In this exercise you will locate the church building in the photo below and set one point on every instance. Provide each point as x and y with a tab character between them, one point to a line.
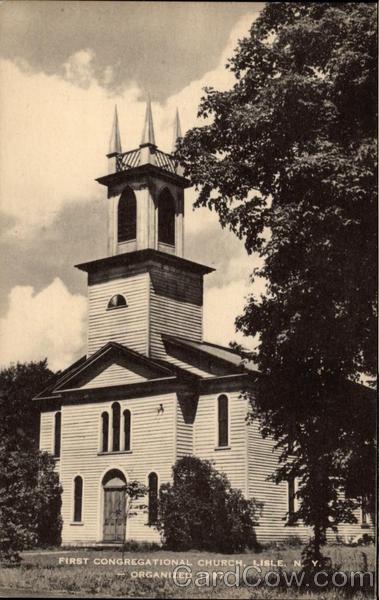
150	389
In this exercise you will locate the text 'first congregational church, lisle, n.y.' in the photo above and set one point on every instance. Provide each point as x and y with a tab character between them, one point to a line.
150	389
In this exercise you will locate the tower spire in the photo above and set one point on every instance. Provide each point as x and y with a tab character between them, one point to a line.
115	139
177	131
148	128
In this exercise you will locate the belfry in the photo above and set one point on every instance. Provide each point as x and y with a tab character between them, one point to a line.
146	194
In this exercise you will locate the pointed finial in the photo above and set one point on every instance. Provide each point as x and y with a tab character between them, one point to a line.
177	131
148	128
115	139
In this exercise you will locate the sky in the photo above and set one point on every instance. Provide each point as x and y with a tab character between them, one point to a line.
63	67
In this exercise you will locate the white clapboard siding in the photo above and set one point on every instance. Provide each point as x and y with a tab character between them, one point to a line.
114	375
262	461
175	307
46	435
152	449
184	433
125	325
46	432
232	461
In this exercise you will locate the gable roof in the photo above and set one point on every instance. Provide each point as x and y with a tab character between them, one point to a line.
220	354
121	368
86	369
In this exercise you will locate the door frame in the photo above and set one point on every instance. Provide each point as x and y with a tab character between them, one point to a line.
100	501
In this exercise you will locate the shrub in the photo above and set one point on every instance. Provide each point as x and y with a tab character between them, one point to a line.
201	510
30	499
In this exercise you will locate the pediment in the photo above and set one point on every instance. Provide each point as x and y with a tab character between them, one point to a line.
113	365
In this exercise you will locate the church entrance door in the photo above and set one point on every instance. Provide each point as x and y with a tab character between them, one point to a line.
114	511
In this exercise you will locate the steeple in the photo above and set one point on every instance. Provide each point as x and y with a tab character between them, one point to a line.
114	143
115	139
145	288
148	128
177	131
146	194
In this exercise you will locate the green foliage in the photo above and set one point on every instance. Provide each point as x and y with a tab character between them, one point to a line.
288	160
30	494
201	510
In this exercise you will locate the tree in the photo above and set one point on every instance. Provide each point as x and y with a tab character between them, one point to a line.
288	160
30	494
134	492
201	510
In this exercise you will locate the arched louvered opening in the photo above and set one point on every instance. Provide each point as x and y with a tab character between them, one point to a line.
117	301
153	498
115	426
78	498
166	218
104	431
57	434
127	216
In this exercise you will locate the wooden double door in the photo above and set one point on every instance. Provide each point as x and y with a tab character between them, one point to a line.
114	514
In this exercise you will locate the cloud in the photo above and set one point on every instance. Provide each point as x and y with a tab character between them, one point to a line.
223	305
55	132
51	323
57	129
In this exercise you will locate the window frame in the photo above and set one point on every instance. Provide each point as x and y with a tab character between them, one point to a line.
102	415
125	231
295	501
152	521
118	430
118	306
218	421
124	446
57	439
76	479
168	232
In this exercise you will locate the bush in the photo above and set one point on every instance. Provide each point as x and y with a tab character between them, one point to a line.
30	502
201	510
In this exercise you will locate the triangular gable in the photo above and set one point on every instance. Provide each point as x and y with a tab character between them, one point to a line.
114	374
113	365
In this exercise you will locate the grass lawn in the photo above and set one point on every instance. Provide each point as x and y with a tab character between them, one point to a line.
149	574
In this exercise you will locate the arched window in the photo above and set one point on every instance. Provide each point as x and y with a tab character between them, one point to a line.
292	500
166	218
126	429
127	216
117	301
104	431
57	434
78	498
116	426
153	498
223	424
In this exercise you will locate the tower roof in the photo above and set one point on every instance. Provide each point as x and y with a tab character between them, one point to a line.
115	139
148	136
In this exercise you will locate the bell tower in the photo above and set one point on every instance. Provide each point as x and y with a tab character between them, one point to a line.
146	194
144	289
